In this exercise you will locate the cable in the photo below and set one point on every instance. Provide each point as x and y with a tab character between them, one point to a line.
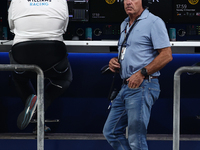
5	42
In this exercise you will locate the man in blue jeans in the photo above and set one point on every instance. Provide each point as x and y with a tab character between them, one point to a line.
144	49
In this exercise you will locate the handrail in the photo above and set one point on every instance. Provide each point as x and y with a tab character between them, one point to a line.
110	43
40	96
176	102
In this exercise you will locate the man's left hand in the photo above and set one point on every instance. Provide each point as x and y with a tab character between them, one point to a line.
135	80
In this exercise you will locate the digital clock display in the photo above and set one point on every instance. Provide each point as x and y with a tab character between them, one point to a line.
186	11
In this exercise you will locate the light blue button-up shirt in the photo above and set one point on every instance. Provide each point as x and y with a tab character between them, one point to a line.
148	35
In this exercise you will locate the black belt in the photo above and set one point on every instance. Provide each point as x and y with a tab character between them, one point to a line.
146	78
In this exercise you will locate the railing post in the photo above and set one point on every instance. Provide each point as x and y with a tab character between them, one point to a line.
40	109
176	102
176	111
40	96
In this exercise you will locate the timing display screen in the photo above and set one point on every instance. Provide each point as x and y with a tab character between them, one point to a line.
186	11
78	10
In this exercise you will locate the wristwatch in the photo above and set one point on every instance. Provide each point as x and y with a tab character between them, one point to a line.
144	72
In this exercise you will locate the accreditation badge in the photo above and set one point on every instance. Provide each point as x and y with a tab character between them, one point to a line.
123	52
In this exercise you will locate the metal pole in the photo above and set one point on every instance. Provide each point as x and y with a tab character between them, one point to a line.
176	111
176	102
40	97
40	110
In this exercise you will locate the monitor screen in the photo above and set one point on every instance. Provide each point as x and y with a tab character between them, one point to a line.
112	11
107	11
78	10
186	11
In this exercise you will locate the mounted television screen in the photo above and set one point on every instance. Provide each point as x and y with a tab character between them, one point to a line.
186	11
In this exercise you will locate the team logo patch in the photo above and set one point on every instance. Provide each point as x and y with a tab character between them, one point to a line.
110	1
39	2
193	2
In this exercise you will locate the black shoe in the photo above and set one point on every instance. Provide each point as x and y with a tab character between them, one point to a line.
25	116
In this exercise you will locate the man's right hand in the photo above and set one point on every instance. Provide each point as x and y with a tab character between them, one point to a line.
114	66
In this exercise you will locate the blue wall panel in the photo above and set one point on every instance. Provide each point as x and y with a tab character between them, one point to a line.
83	107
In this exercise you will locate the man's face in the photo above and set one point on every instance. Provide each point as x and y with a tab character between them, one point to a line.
133	7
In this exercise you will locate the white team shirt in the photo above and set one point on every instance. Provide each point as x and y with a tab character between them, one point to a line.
38	19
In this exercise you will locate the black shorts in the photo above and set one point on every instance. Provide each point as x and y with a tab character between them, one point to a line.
50	57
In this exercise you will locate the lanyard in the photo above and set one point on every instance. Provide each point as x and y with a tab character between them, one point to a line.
126	37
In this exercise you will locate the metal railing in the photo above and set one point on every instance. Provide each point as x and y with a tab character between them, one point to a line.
40	97
176	102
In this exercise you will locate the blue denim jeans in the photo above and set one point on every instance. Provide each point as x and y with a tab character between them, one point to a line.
132	108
